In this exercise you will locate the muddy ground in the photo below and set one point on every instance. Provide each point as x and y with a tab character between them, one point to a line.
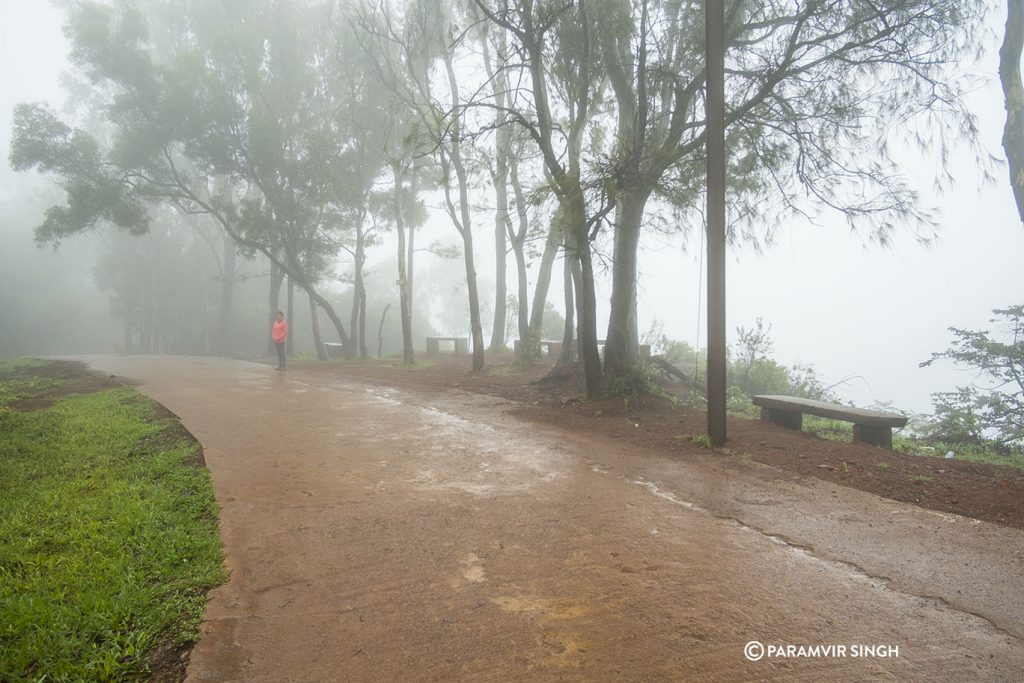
987	492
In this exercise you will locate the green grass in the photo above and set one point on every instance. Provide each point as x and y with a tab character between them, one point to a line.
108	536
920	477
970	452
825	428
504	370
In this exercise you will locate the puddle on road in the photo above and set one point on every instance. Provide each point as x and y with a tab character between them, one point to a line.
456	453
653	488
384	396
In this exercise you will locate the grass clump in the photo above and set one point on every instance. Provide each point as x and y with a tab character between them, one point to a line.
108	537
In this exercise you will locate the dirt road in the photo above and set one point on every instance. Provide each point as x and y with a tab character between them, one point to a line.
373	536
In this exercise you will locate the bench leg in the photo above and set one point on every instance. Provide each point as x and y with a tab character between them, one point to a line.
876	436
783	418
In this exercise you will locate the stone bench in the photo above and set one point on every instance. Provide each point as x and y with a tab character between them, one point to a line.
869	426
461	345
335	349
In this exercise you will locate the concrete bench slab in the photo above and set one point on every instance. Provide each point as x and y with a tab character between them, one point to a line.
869	426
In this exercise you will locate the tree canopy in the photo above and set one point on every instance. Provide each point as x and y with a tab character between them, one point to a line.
293	124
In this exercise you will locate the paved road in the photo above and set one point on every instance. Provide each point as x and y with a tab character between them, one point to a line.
377	535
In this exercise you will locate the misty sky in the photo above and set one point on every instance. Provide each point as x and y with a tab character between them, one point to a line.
850	308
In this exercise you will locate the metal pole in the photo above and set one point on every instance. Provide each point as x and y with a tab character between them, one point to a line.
714	17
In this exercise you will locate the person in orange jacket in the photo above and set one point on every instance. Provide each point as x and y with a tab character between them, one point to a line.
279	333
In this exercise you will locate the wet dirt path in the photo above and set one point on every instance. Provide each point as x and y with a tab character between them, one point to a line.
376	535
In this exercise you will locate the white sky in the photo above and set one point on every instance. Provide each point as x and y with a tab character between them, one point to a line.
850	309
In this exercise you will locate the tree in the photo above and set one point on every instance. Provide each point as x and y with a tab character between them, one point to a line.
1013	94
406	47
564	85
804	78
497	76
363	106
994	409
162	312
237	99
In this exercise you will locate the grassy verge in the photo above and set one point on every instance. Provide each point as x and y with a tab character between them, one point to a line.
108	532
841	431
972	453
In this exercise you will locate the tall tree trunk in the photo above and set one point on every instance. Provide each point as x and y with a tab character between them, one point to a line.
1013	93
518	241
530	347
358	316
289	346
501	221
380	331
586	296
502	154
149	312
318	338
466	227
227	294
203	315
276	279
474	306
629	83
410	259
622	347
362	323
405	305
570	276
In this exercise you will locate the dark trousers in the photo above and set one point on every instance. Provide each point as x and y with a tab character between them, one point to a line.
280	354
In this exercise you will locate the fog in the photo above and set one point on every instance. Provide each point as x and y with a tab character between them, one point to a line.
864	315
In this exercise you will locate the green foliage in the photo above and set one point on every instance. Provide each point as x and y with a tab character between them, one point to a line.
926	446
680	354
991	413
253	115
553	325
751	369
94	194
825	428
702	440
738	402
640	380
108	538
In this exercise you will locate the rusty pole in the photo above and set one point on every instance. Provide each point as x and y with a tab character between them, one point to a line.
714	24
